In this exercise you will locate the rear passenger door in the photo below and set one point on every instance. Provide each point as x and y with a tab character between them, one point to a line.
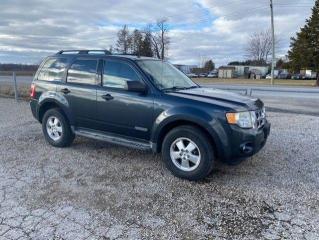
80	91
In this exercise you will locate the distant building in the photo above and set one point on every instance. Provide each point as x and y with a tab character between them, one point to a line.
252	71
226	72
307	73
185	68
233	71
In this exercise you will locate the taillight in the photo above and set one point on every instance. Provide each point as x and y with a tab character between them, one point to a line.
32	91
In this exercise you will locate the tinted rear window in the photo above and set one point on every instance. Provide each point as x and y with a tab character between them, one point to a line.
83	72
53	69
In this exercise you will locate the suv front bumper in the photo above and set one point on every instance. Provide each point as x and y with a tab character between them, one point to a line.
247	142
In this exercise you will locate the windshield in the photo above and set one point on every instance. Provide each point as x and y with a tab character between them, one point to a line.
165	75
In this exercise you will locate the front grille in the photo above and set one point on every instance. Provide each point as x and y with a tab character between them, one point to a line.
260	118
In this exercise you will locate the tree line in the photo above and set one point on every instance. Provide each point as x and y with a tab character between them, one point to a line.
209	65
304	48
18	67
152	41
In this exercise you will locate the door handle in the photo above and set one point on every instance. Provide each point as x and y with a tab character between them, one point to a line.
65	90
107	97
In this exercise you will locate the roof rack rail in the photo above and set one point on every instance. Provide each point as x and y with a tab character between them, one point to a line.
126	54
106	52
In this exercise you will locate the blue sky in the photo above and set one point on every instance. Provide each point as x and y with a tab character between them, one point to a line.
199	29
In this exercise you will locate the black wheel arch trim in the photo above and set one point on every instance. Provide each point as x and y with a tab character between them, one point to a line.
184	115
63	105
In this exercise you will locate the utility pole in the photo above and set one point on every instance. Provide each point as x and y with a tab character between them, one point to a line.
273	43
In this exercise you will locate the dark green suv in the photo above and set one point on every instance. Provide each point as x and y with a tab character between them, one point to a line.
148	104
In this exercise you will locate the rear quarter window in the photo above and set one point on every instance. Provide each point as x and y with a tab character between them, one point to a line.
53	69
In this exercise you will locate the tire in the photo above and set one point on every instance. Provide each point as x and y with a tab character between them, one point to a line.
57	133
188	138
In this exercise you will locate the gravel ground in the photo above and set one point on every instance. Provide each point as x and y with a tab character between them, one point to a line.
95	190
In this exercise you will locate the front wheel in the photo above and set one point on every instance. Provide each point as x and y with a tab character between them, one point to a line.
188	153
56	129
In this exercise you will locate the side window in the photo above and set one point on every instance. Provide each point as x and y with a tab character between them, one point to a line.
53	69
83	71
117	74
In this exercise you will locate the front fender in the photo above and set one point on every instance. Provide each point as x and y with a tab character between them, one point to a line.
193	115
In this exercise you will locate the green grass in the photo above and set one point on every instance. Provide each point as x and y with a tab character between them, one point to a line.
8	91
279	82
18	73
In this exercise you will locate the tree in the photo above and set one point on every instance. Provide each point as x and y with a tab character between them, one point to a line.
304	48
146	49
248	63
259	46
163	38
124	40
136	42
209	66
111	49
159	36
153	41
280	63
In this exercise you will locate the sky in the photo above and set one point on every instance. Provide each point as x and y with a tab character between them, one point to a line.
199	29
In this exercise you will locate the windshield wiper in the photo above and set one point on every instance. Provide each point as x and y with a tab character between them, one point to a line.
176	88
195	86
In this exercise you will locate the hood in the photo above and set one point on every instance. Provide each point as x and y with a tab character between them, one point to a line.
220	98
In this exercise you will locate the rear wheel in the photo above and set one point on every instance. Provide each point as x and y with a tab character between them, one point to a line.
188	153
56	129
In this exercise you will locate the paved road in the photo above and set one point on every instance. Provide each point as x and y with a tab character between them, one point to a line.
266	90
285	99
94	190
291	99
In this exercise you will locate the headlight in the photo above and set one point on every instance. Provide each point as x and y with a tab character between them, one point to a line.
242	119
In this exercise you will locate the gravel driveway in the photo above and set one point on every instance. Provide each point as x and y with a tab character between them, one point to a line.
95	190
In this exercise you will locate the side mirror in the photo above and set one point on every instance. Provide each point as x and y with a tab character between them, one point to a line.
136	86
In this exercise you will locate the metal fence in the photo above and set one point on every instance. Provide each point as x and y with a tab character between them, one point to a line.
15	85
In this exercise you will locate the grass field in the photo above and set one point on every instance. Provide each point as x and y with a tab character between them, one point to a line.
8	91
18	73
283	82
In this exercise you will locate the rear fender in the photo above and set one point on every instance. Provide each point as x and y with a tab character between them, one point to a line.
57	99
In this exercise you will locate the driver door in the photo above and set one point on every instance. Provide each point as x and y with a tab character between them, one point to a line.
120	111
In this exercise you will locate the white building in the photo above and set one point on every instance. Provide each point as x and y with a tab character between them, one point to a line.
247	71
226	72
233	71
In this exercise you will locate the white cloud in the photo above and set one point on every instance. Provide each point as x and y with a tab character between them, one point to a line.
218	29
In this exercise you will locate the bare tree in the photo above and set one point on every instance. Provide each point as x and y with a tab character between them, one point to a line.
111	49
153	41
124	40
159	36
259	46
163	36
